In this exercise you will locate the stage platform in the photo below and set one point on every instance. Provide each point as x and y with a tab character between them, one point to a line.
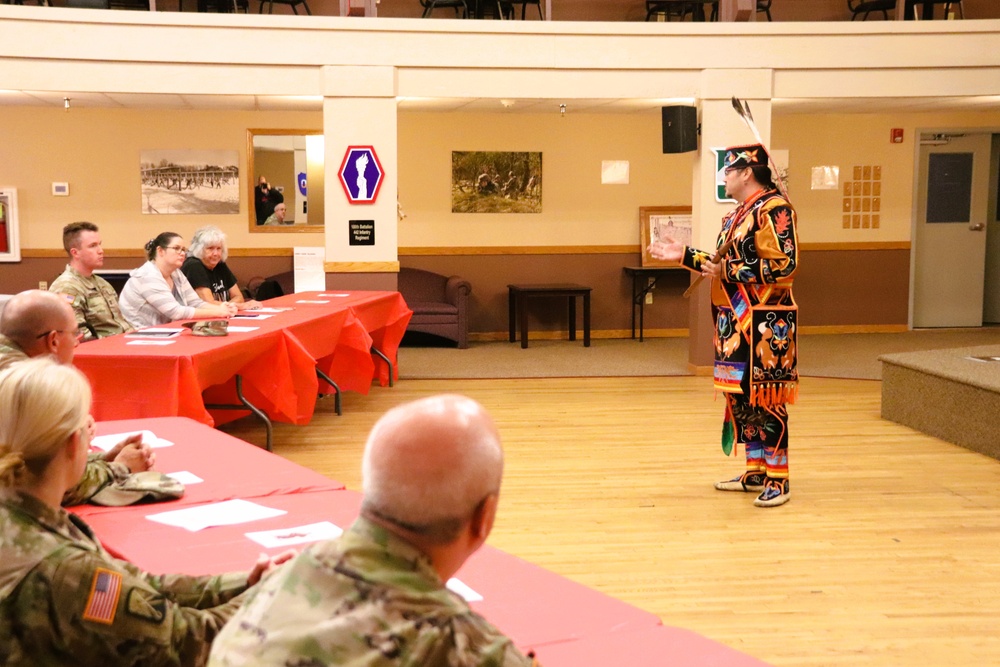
952	394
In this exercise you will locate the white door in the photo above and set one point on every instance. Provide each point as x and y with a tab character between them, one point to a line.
950	238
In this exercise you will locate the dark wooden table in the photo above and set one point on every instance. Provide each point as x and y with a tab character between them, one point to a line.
643	282
517	300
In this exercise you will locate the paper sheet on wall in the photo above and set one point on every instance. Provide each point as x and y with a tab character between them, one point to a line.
308	269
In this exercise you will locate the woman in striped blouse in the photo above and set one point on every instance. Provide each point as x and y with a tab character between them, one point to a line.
158	292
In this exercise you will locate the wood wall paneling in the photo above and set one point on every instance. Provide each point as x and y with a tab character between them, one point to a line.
834	288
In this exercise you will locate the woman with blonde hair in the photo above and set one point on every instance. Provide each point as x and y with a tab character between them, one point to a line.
63	599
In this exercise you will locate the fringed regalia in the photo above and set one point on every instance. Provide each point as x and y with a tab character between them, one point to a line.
755	327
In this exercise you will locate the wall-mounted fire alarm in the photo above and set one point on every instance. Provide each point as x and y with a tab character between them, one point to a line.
896	135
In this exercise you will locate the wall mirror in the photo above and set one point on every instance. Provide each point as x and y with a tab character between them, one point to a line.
285	169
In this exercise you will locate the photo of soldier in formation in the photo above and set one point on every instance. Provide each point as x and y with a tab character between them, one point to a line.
190	182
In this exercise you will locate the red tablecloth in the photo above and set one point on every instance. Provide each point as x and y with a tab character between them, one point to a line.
277	362
152	381
383	316
531	605
230	467
563	622
127	533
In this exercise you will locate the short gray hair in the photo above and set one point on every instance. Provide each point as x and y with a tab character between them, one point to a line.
207	236
30	313
429	464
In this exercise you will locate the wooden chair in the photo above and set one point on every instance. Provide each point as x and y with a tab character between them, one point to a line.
430	5
866	7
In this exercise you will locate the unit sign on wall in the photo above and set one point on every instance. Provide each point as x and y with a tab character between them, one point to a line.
361	174
362	232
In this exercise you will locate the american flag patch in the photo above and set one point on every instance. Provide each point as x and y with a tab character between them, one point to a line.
103	600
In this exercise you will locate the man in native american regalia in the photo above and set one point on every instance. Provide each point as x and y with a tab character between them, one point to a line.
755	320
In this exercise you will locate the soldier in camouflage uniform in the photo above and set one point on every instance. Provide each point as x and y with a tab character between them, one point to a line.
32	312
377	595
94	300
63	599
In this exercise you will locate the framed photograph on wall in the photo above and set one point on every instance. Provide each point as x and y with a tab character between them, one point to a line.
10	244
191	182
661	222
496	182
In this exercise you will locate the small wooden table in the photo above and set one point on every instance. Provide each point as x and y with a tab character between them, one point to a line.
517	299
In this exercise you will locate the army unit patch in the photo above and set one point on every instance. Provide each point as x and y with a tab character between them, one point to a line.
146	605
103	599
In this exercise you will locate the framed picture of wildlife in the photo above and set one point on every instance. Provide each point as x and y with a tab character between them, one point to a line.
496	182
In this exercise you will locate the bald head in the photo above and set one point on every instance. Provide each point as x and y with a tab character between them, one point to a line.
429	464
29	315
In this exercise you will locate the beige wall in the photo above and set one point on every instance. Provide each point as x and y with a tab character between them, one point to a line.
97	151
847	140
576	208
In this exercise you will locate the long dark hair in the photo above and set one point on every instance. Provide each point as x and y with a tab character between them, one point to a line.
161	241
762	174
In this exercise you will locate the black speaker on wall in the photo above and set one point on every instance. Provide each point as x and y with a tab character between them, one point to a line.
680	129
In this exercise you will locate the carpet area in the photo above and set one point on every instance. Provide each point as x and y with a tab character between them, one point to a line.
853	356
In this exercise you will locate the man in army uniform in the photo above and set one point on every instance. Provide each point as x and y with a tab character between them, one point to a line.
37	323
94	301
377	595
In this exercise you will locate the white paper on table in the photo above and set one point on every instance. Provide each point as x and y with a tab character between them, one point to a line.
107	442
271	310
336	295
285	537
251	315
461	588
185	477
239	329
310	301
151	342
226	513
155	332
307	269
